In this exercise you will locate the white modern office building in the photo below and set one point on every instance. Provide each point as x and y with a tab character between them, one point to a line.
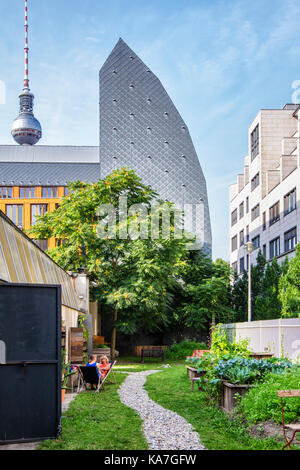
264	201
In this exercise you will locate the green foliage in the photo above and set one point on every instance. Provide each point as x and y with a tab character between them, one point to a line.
221	345
134	277
270	284
179	351
239	296
67	371
221	351
267	303
262	404
289	287
203	296
238	370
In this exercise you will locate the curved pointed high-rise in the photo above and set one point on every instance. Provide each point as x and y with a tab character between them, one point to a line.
141	128
26	129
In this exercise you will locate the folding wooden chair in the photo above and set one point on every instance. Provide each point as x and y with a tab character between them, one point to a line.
110	371
88	375
295	427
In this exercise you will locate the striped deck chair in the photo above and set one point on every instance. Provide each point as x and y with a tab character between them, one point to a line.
112	364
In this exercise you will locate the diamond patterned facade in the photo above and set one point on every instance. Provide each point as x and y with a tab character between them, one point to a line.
140	128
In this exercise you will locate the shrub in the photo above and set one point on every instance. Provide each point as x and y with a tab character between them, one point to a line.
220	344
262	404
183	349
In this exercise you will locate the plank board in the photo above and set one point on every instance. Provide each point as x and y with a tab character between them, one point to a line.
288	393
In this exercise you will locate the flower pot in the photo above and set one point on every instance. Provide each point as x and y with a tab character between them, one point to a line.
63	392
229	390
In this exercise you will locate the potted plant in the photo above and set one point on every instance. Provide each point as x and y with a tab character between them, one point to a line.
66	372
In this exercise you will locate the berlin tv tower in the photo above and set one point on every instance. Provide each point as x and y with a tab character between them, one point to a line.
26	129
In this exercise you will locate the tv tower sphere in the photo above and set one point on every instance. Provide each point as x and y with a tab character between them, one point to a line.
26	129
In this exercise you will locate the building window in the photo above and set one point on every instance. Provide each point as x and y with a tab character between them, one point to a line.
67	191
247	205
264	251
15	213
247	233
234	266
43	244
255	212
242	265
234	243
264	221
275	247
242	238
255	182
255	142
5	192
256	242
290	239
27	192
290	202
241	210
37	210
274	213
49	192
233	217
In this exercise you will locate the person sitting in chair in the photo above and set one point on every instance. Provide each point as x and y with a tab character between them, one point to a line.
93	363
104	365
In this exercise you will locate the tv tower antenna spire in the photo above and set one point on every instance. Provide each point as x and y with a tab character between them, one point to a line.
26	129
26	49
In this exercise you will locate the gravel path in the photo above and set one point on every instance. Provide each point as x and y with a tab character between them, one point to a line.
163	429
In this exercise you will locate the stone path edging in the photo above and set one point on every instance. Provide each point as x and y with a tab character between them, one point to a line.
163	429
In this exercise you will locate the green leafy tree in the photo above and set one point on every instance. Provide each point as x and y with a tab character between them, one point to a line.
268	304
205	293
239	296
289	287
264	290
134	276
257	278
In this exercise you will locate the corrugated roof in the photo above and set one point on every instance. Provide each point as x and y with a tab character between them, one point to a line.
19	173
22	261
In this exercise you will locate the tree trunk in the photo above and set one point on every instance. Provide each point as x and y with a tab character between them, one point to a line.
113	336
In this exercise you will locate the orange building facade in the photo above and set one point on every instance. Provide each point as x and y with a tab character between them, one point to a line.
23	204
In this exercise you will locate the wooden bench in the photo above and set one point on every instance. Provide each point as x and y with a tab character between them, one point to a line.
153	351
198	353
294	427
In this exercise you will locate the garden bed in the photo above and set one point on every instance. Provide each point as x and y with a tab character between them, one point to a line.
229	398
270	429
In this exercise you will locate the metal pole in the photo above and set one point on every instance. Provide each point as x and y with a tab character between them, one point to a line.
249	286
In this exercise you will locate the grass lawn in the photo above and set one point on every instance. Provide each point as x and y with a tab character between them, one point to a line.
133	364
171	389
99	421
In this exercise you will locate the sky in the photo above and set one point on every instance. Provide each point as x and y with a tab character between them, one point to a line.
220	62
